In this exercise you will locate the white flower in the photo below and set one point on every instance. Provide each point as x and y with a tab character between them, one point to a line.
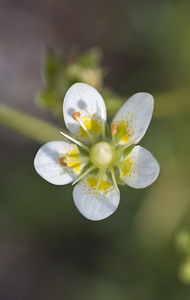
97	160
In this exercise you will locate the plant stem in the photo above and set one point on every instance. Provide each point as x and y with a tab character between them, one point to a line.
168	104
32	127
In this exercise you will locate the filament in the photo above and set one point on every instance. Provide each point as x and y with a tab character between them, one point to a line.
100	176
84	174
103	129
75	141
76	117
119	151
114	179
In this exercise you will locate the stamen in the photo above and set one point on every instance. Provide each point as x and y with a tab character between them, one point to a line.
133	141
100	176
113	129
114	179
84	174
75	141
113	132
103	129
62	161
76	117
80	159
119	151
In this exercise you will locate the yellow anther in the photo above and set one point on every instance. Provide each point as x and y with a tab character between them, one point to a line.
62	160
113	128
76	116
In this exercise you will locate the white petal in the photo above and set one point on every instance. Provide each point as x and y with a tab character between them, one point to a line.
47	163
95	204
133	118
89	103
140	168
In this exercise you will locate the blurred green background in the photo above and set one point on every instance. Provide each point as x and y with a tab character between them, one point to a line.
47	249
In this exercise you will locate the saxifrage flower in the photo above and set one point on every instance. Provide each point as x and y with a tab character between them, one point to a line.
97	158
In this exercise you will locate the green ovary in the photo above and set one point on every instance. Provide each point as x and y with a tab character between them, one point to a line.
102	155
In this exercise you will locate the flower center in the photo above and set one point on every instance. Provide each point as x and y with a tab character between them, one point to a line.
102	155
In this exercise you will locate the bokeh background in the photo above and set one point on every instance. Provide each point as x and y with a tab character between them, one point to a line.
47	249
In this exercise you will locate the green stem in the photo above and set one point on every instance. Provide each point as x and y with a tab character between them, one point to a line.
168	104
32	127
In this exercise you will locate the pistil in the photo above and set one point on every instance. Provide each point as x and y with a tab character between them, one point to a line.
102	155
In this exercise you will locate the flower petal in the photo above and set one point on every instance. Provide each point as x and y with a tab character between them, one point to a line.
96	203
48	166
133	118
140	168
85	100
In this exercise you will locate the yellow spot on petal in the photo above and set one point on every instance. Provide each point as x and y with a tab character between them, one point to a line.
91	123
128	165
104	184
74	154
123	131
